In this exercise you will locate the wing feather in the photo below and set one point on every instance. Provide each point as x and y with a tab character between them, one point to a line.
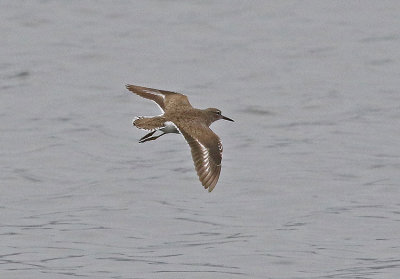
206	153
164	99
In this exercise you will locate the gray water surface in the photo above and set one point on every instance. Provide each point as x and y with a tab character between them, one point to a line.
311	168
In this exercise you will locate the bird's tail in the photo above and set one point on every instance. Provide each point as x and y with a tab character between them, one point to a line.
149	123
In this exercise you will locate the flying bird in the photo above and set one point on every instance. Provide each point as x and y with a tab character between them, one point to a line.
178	116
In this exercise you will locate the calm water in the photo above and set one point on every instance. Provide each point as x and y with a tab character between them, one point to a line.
311	170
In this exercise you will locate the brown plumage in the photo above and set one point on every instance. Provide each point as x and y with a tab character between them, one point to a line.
180	117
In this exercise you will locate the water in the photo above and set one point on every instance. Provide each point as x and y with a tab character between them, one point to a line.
309	185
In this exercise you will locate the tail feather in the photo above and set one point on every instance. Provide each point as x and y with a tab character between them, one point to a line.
149	123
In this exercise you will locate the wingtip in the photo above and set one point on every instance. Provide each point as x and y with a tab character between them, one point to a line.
211	186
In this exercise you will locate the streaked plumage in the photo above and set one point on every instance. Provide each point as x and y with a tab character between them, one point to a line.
180	117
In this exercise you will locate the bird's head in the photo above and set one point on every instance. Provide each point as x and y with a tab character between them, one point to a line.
214	114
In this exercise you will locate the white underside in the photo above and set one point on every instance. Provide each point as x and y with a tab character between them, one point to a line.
170	127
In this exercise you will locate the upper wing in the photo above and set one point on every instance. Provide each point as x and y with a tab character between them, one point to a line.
164	99
206	150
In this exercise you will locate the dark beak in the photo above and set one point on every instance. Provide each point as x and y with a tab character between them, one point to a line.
226	118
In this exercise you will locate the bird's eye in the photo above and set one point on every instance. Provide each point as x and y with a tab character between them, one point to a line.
218	112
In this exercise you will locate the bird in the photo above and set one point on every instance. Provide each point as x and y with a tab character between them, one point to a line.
178	116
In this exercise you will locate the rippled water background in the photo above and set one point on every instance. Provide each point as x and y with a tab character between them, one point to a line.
311	169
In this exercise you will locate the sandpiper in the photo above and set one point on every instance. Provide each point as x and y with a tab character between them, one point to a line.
178	116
